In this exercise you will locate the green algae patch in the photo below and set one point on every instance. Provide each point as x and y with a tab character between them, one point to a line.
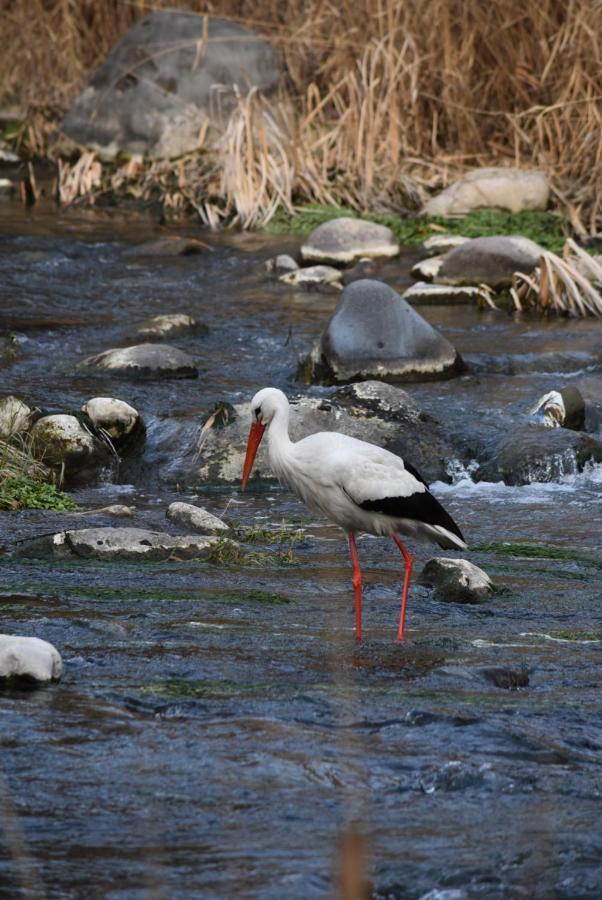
529	550
268	598
546	228
184	689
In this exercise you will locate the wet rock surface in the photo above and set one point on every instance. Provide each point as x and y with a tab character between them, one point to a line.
312	276
168	325
493	187
189	516
556	409
168	246
118	543
342	241
374	333
427	294
121	422
28	659
15	416
154	92
489	260
64	443
457	580
144	361
540	454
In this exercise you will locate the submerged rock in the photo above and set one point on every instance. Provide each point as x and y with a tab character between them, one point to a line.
144	361
195	517
489	260
118	419
170	246
312	276
63	443
119	543
168	325
528	455
371	411
556	409
342	241
457	580
493	187
28	658
425	294
375	333
164	79
15	416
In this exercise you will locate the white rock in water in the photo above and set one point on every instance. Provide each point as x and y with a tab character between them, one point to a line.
557	409
144	360
116	417
29	657
167	325
195	517
312	275
281	263
494	187
15	416
118	543
344	240
443	243
457	580
424	293
427	268
63	442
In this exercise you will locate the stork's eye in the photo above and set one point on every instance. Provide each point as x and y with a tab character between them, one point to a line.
258	413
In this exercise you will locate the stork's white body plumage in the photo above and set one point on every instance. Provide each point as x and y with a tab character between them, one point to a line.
355	484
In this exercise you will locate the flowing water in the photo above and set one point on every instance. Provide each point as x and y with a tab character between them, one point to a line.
217	731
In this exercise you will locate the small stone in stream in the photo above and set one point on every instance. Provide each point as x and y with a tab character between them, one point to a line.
281	263
342	241
556	409
457	580
529	454
312	276
118	419
15	416
507	679
425	294
65	444
195	517
118	510
168	325
119	543
442	243
28	659
6	186
144	361
174	246
492	187
375	333
489	260
428	268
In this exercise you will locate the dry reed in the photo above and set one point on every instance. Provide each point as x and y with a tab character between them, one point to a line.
381	96
567	285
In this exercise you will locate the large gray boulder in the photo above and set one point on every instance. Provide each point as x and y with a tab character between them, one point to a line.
375	333
144	361
342	241
494	187
28	658
531	454
118	543
63	443
159	85
489	260
371	411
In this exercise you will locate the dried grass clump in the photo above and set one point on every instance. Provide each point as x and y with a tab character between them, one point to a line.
380	97
566	285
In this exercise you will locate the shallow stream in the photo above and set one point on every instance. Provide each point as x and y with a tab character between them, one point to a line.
217	731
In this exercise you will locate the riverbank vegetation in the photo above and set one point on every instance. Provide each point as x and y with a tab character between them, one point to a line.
383	103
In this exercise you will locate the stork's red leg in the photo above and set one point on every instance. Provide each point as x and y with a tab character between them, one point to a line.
357	586
406	584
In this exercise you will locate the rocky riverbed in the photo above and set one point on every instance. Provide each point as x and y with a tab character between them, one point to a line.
216	728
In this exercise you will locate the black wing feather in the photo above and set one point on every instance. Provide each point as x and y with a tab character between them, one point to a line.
421	506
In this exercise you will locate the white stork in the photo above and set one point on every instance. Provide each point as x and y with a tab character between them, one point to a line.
354	484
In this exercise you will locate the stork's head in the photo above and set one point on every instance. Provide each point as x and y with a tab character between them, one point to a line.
264	406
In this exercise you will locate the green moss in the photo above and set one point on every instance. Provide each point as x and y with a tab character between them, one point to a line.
576	635
548	229
538	551
27	493
183	689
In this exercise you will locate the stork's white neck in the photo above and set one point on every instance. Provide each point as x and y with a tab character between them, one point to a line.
279	442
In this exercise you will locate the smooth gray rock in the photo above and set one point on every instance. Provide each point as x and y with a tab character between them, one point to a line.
118	543
144	361
196	518
281	263
29	658
117	418
162	82
560	409
312	276
457	580
374	333
531	454
168	325
15	416
489	260
63	443
371	411
493	187
342	241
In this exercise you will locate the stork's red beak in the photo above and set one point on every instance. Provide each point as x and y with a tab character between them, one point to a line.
255	436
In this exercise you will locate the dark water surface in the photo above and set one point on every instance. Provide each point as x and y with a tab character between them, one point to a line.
217	729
